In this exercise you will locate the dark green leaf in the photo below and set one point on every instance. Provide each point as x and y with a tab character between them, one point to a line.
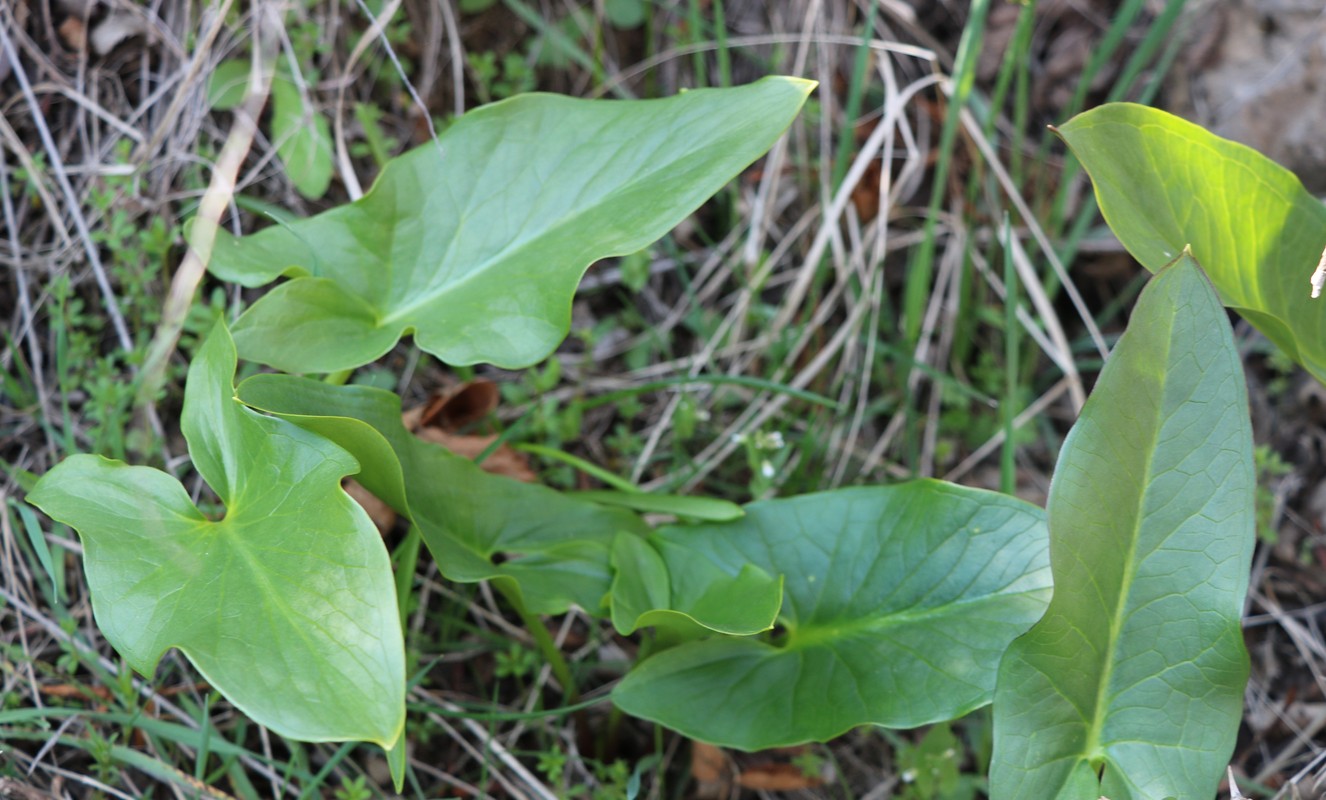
898	603
552	550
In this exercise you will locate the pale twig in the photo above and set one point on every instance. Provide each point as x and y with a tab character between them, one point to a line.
109	300
36	180
840	199
95	108
196	65
1030	412
877	254
945	297
352	185
1234	793
773	167
1045	309
495	747
455	45
388	12
220	191
759	40
1318	279
1001	174
27	327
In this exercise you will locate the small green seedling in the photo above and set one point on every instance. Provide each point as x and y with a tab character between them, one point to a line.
791	620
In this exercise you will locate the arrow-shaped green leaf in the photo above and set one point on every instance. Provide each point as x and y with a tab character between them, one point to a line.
1131	687
550	549
285	604
476	243
898	602
1165	184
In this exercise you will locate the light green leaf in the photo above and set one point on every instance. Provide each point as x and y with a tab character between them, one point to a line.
1164	183
303	140
475	243
709	509
898	602
551	550
302	135
229	81
1137	670
285	604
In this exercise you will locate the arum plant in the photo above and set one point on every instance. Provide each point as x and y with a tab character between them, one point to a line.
1104	630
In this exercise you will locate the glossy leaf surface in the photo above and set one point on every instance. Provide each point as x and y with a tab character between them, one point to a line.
898	602
475	243
1137	670
552	550
285	604
1164	183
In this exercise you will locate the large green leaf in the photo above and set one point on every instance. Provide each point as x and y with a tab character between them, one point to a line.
1131	686
285	604
898	603
477	242
1164	183
549	549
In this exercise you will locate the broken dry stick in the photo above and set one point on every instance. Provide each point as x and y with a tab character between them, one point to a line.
1318	279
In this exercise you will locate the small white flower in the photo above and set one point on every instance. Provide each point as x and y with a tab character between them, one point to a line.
766	468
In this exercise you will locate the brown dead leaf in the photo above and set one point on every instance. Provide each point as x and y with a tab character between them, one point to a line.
383	515
777	777
439	419
462	405
709	768
502	461
69	690
118	26
74	34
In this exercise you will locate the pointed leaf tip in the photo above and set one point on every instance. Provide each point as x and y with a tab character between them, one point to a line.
1137	669
476	243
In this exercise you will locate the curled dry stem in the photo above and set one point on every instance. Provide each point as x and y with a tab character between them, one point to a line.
220	192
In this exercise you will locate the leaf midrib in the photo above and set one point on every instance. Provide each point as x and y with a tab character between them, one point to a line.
830	631
400	314
1093	749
